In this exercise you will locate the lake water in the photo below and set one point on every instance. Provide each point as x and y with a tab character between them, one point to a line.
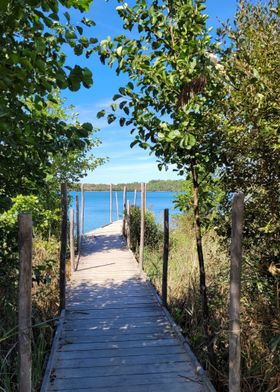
97	206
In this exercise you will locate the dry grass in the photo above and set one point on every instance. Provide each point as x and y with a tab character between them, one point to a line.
259	317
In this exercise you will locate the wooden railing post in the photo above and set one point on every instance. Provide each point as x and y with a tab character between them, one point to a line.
142	228
165	256
72	241
63	247
78	223
117	205
145	197
235	289
82	209
135	198
111	204
25	302
128	224
124	211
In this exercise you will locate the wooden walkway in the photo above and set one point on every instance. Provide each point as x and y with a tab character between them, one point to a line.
116	336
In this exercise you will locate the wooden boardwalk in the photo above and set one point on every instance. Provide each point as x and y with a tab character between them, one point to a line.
116	336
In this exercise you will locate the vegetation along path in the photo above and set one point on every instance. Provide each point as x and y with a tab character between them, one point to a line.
116	336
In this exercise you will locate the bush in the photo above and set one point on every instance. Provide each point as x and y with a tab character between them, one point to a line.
153	234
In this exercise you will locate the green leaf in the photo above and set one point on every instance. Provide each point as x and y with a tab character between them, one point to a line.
101	113
111	118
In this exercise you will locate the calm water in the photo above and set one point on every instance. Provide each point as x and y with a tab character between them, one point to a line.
97	206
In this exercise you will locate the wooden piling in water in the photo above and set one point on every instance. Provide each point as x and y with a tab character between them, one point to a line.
72	241
135	198
124	211
235	290
165	257
78	223
128	225
82	210
142	228
63	247
25	302
111	203
117	205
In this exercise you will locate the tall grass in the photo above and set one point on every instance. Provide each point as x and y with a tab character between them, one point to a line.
259	317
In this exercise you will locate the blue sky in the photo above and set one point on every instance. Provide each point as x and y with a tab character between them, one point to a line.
125	164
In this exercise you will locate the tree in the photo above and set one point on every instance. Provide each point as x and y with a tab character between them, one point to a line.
32	65
171	96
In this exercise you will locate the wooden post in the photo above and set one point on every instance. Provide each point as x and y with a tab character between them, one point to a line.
111	204
128	224
135	198
63	247
78	223
82	210
142	227
72	241
145	197
235	284
117	205
124	211
165	256
25	302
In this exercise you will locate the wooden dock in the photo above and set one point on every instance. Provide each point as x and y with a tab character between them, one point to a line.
115	335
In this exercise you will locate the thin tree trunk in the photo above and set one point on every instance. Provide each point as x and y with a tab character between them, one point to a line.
202	278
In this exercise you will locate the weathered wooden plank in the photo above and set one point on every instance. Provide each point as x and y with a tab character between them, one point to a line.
167	387
121	352
117	345
124	330
82	338
125	323
126	380
127	369
116	361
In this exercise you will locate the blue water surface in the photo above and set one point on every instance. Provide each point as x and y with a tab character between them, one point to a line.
97	206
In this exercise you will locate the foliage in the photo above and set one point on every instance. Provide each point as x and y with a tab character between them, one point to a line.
32	66
251	135
152	186
153	234
260	327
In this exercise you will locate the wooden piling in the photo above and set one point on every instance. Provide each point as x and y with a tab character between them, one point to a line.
128	225
124	211
25	302
63	247
142	227
145	197
111	204
78	223
82	210
72	241
135	198
165	257
235	290
117	205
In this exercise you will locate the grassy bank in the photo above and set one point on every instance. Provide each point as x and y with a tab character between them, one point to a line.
259	316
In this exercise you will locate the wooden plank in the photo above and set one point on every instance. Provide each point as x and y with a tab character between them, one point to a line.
127	369
125	380
93	323
116	361
165	256
135	330
25	301
119	345
142	228
128	337
72	242
63	247
122	352
117	205
111	203
77	223
235	291
167	387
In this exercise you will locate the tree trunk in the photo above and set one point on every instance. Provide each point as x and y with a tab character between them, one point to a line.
198	237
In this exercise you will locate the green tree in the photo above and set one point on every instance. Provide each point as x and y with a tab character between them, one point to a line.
170	99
